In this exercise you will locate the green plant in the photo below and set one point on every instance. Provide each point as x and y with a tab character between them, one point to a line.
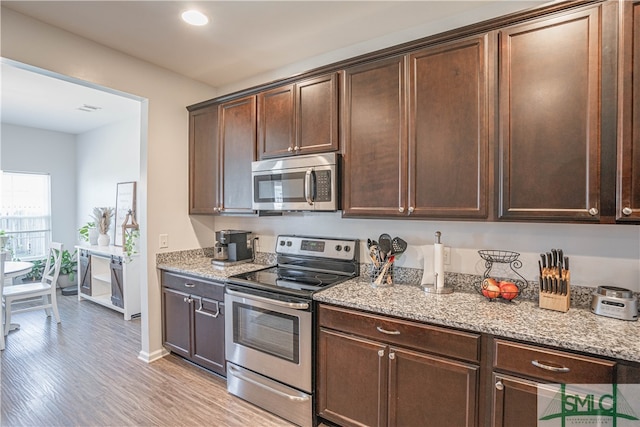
130	243
36	272
84	230
68	264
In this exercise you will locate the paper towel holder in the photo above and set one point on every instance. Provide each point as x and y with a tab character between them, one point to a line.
431	288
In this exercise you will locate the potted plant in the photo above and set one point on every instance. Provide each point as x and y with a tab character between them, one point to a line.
68	268
102	217
89	233
35	275
3	239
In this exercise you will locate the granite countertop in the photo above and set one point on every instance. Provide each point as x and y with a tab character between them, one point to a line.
201	267
578	329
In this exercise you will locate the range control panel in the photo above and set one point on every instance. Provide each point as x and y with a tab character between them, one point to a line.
320	247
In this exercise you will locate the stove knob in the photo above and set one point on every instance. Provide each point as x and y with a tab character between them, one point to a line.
289	243
347	248
281	242
338	248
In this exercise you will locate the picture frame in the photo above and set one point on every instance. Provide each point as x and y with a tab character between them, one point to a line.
125	201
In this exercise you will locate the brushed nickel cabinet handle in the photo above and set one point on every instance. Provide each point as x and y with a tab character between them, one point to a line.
411	209
384	331
381	353
189	285
549	366
400	209
627	211
499	385
593	211
290	149
392	356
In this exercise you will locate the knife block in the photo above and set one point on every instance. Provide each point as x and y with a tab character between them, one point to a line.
556	302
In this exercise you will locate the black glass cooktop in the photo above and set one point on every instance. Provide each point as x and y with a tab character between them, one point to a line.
288	280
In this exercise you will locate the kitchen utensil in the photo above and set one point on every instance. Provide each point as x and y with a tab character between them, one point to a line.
541	278
398	246
384	243
373	254
386	266
612	301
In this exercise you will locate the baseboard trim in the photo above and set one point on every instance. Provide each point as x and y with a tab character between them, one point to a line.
152	357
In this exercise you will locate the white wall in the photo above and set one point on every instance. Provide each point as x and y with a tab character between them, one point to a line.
27	149
162	189
106	156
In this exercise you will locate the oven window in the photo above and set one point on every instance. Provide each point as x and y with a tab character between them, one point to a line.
267	331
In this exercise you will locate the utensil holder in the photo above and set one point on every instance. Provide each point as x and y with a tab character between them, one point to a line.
557	302
382	275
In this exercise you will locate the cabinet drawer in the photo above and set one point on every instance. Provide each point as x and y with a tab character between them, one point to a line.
551	365
432	339
193	286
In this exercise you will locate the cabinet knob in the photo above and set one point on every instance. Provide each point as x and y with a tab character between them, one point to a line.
499	385
593	211
400	209
290	149
411	209
627	211
381	353
392	356
296	148
187	299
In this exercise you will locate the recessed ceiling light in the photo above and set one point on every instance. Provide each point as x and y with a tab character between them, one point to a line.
194	17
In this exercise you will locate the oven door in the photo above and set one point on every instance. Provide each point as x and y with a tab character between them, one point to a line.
269	335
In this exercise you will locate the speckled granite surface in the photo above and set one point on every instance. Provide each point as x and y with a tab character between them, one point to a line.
578	329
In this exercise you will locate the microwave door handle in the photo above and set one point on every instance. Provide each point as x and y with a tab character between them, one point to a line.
308	186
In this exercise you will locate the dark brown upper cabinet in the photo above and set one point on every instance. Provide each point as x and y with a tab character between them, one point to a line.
428	157
374	138
237	139
299	118
550	118
449	130
203	160
628	178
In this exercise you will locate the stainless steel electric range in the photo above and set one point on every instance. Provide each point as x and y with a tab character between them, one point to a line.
269	326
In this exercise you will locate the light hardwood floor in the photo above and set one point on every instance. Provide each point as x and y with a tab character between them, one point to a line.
85	372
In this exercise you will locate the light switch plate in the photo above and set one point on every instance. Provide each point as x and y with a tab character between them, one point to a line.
164	241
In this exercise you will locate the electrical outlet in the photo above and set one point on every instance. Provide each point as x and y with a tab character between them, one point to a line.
446	256
164	241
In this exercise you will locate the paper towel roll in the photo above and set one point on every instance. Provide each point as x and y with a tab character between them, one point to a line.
427	273
438	265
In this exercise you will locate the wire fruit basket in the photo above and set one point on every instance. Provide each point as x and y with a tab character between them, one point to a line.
504	286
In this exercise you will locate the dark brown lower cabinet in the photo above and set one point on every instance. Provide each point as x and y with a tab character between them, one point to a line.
367	382
515	402
193	320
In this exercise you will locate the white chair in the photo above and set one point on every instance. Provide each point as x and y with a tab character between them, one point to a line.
46	289
3	257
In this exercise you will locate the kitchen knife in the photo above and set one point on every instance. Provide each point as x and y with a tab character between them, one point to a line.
549	271
541	278
566	275
560	281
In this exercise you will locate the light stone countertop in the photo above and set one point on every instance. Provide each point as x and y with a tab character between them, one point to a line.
578	329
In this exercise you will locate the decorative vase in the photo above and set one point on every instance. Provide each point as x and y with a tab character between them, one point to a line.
93	236
103	240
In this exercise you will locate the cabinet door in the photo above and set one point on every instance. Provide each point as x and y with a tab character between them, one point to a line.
375	139
237	150
352	380
208	334
550	118
84	261
515	402
176	321
117	282
448	130
203	160
276	126
317	115
628	187
429	390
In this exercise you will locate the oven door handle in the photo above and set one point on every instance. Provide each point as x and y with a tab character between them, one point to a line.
293	305
235	372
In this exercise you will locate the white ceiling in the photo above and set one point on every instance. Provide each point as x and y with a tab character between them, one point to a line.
244	39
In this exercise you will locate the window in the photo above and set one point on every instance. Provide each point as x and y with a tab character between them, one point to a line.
25	213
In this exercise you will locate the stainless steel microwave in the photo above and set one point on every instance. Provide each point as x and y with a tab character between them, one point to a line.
299	183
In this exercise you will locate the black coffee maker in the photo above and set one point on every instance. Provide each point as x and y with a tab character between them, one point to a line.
233	246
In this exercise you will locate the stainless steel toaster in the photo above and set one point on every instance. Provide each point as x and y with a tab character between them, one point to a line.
612	301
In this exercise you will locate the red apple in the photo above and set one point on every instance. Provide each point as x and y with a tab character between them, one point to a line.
490	288
508	290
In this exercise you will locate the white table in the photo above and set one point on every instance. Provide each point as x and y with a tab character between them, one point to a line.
15	269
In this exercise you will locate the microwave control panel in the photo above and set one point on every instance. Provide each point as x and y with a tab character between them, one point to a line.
323	186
